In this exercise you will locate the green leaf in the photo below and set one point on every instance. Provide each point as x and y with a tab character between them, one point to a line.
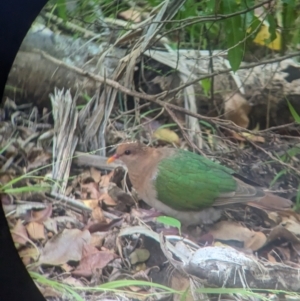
272	28
293	112
235	34
279	175
61	9
169	221
206	85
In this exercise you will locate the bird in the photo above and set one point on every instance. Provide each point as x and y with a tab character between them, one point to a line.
189	187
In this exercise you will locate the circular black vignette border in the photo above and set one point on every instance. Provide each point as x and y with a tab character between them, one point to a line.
16	16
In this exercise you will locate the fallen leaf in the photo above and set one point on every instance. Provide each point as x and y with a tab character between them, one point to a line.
72	281
291	225
107	200
51	225
95	174
91	203
181	283
41	215
35	230
263	36
97	239
93	260
90	191
236	109
19	233
64	247
166	135
105	179
29	253
139	255
131	15
227	230
97	215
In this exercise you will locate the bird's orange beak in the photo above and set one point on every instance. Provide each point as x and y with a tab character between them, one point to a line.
112	158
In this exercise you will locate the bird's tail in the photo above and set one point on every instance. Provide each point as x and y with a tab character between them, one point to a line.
271	201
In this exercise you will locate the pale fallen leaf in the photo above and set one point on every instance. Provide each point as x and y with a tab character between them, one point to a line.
35	230
93	260
236	109
90	191
95	174
107	200
19	233
64	247
29	253
166	135
139	255
51	225
97	215
227	230
91	203
291	225
97	239
72	281
180	282
131	15
105	179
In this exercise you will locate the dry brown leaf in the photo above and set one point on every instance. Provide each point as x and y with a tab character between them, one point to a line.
166	135
283	233
131	15
106	179
93	260
91	203
105	198
181	283
90	191
227	230
97	239
29	253
97	215
256	241
291	225
64	247
35	230
236	109
41	215
51	225
19	233
95	174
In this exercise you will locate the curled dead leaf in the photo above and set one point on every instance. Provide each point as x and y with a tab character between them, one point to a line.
236	109
19	233
166	135
64	247
93	260
227	230
35	230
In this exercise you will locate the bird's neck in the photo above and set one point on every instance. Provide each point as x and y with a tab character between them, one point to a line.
141	172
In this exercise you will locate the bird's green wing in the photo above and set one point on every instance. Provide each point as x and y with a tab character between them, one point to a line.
187	181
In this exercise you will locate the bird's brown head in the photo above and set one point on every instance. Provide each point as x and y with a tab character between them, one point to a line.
130	153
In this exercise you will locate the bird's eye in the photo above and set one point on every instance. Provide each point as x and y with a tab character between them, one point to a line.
127	152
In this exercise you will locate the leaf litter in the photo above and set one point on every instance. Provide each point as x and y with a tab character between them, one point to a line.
118	237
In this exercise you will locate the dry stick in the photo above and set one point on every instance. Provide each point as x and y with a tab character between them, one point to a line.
274	158
153	98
